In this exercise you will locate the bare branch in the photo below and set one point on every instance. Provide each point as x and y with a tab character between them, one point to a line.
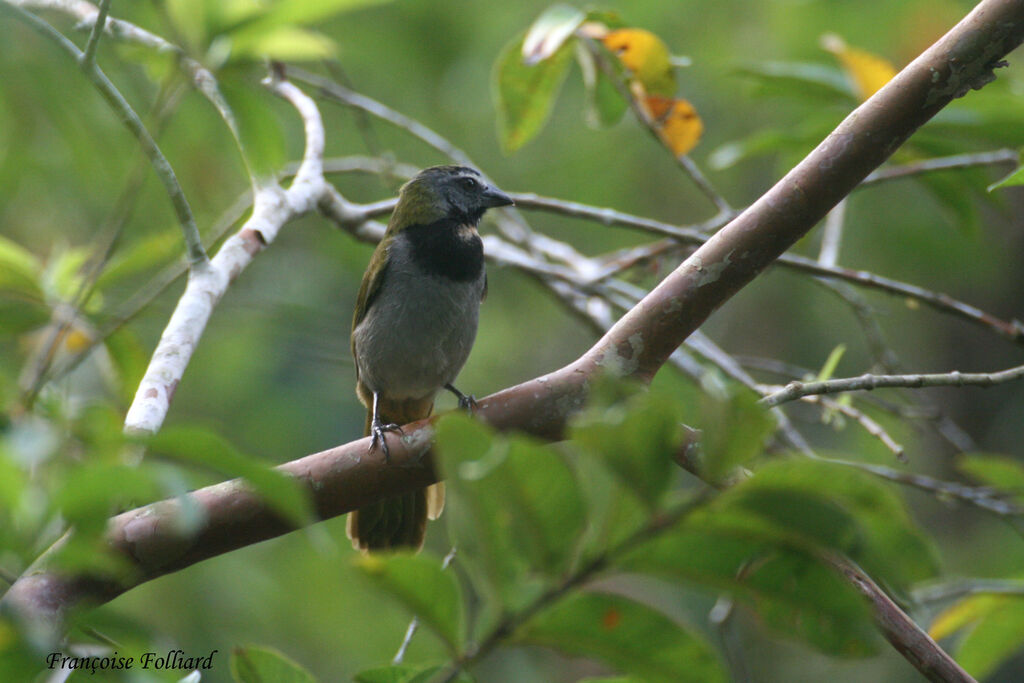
956	161
980	497
1009	329
908	638
868	382
272	208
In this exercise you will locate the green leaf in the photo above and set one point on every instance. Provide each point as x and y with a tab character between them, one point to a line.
142	257
22	302
998	635
631	637
789	591
614	514
253	664
13	480
479	524
798	80
86	498
314	11
829	368
191	19
19	268
130	360
405	674
962	614
605	106
1015	178
549	32
734	430
207	448
527	491
524	95
998	471
420	584
636	440
258	128
64	272
92	491
290	43
807	504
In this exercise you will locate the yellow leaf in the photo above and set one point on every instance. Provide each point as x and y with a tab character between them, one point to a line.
960	615
676	121
868	71
646	56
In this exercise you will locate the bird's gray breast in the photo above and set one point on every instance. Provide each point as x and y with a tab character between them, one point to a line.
419	329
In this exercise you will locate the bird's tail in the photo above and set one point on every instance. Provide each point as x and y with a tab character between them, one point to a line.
399	522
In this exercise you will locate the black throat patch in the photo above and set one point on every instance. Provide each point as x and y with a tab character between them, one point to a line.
447	248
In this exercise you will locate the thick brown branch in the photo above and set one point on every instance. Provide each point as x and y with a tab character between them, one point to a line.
348	477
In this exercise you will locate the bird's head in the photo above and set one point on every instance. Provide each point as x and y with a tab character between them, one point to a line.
456	193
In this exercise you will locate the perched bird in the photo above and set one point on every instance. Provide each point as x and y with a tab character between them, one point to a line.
415	321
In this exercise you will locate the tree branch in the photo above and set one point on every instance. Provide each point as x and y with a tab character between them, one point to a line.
131	120
89	16
345	478
272	208
868	382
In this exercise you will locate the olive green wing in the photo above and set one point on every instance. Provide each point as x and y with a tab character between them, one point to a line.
373	278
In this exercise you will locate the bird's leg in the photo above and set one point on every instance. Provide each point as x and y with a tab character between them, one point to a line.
378	428
466	401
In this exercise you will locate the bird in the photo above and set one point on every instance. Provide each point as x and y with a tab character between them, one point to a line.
415	322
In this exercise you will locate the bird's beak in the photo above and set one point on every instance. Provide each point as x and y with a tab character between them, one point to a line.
493	197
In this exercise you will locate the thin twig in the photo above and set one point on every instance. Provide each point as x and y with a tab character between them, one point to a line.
864	420
1012	329
201	78
956	161
952	590
339	93
193	243
89	57
981	497
38	367
869	382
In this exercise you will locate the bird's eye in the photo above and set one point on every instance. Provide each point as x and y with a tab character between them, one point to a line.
469	183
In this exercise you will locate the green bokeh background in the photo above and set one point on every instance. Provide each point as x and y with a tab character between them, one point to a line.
273	374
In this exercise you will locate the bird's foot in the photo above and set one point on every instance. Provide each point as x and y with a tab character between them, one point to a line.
467	402
377	431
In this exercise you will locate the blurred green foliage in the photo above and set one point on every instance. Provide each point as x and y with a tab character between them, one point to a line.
272	381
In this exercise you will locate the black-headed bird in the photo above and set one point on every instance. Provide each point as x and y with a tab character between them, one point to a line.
415	321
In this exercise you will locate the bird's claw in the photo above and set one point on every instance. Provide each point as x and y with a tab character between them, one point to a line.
467	402
377	431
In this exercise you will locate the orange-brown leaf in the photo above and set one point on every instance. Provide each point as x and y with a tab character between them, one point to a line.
676	121
646	56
